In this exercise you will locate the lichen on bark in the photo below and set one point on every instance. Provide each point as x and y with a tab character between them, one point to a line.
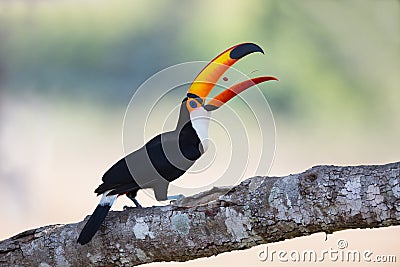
259	210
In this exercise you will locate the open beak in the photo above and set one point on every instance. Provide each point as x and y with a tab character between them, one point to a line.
209	76
234	90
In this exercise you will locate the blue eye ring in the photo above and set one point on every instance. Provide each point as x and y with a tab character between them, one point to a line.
193	104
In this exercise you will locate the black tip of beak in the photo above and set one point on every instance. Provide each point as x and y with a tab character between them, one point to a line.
210	107
244	49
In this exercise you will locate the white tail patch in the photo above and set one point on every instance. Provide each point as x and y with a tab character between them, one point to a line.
107	200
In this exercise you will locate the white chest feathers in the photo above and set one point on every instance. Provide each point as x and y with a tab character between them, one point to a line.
200	119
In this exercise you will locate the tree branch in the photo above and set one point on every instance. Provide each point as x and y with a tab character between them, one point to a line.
259	210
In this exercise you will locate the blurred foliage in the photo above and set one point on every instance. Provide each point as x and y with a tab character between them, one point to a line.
69	68
333	58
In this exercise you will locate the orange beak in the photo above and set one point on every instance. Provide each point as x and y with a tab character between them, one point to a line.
209	76
234	90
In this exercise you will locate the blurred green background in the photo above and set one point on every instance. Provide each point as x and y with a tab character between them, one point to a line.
69	68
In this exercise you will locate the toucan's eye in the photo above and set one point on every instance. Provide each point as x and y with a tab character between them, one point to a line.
193	104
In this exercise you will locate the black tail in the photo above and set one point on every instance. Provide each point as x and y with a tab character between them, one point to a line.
93	224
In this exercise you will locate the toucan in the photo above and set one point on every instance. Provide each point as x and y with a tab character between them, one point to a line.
169	155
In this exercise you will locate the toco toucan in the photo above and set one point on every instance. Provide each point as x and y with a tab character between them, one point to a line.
169	155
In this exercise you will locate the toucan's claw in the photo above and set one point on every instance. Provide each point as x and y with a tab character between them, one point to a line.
137	204
134	200
175	198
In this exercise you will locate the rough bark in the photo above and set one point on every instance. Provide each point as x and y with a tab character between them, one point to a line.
259	210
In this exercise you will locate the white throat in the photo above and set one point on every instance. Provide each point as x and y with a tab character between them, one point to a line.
200	119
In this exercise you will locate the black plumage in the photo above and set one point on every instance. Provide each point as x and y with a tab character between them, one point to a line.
160	161
163	159
169	155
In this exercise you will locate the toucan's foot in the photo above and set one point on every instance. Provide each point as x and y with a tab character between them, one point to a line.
175	197
137	204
